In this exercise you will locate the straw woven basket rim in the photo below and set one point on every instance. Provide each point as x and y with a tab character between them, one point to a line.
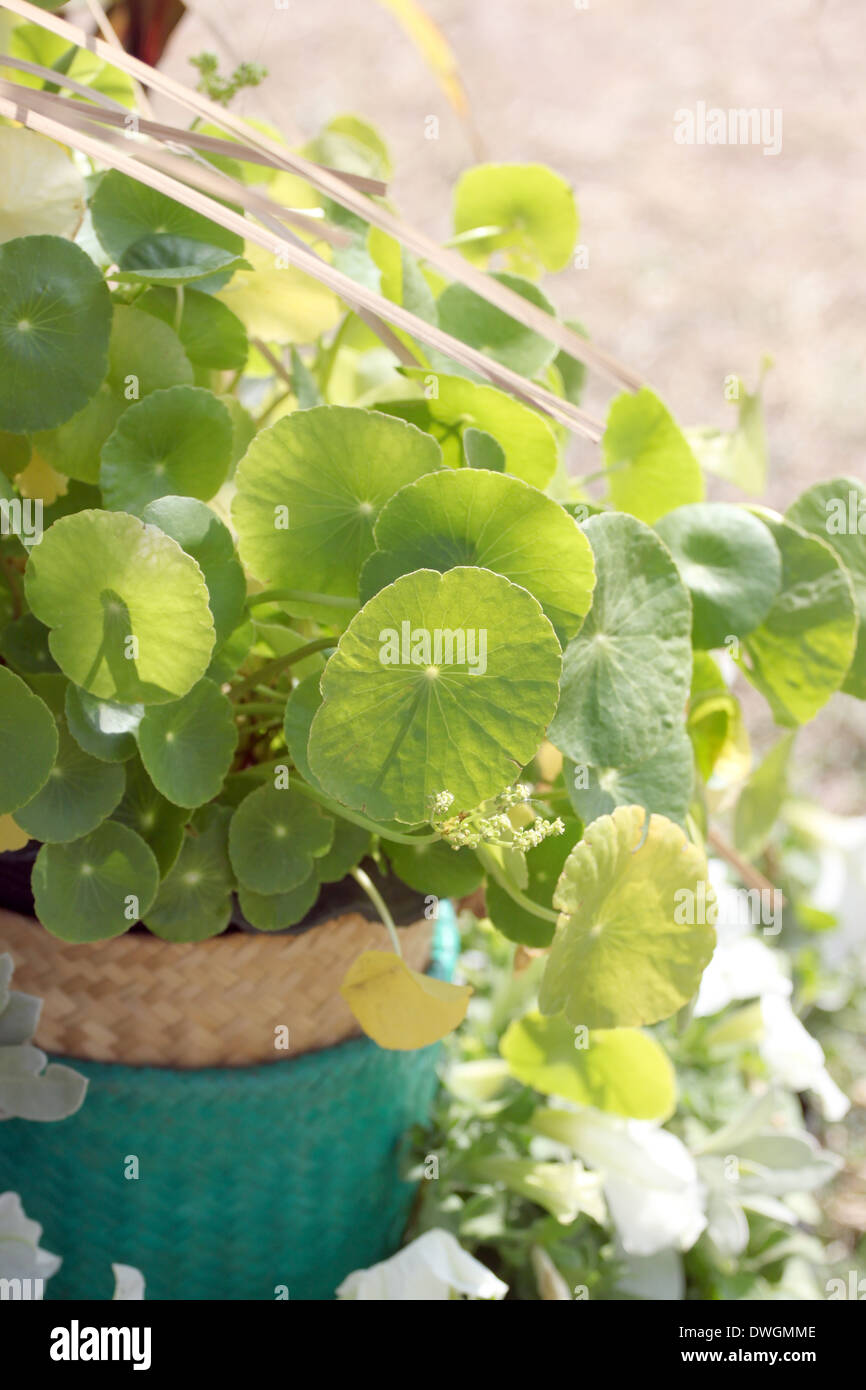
231	1001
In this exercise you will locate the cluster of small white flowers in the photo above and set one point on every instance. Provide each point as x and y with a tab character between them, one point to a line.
461	837
440	803
472	829
516	795
533	835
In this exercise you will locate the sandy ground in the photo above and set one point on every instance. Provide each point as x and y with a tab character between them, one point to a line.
701	258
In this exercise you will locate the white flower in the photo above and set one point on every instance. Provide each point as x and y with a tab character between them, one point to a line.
742	966
841	884
128	1283
794	1057
431	1268
655	1197
20	1255
657	1278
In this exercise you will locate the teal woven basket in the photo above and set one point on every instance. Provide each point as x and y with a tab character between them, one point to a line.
249	1179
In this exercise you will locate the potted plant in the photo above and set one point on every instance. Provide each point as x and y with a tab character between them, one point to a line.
300	602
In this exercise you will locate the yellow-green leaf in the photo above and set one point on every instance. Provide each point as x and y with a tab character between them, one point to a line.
398	1007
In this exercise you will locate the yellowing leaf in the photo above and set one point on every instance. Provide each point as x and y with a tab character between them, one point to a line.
11	836
400	1008
433	47
279	303
41	191
40	480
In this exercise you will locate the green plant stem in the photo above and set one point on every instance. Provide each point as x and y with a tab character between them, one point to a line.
329	356
14	580
356	818
278	400
281	663
602	473
262	707
369	887
492	868
287	595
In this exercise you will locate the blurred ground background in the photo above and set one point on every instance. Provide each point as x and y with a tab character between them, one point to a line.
701	258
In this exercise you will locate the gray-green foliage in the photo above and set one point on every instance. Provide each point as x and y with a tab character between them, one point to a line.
31	1088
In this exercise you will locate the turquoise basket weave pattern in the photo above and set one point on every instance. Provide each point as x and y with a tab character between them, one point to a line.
249	1178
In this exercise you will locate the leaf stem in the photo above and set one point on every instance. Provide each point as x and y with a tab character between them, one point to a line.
13	578
277	400
281	663
287	595
491	867
751	876
369	887
329	356
356	818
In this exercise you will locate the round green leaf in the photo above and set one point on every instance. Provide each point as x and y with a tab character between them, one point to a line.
802	651
43	191
527	439
212	336
157	821
275	835
275	912
348	847
175	260
25	646
144	355
835	511
103	729
436	868
15	452
128	608
527	209
195	897
625	952
474	320
473	517
396	725
544	864
80	793
625	677
661	784
618	1070
730	565
481	450
74	447
301	706
174	442
187	746
200	533
125	210
96	887
55	315
650	466
28	742
310	489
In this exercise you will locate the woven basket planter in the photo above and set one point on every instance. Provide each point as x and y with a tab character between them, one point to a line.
257	1168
